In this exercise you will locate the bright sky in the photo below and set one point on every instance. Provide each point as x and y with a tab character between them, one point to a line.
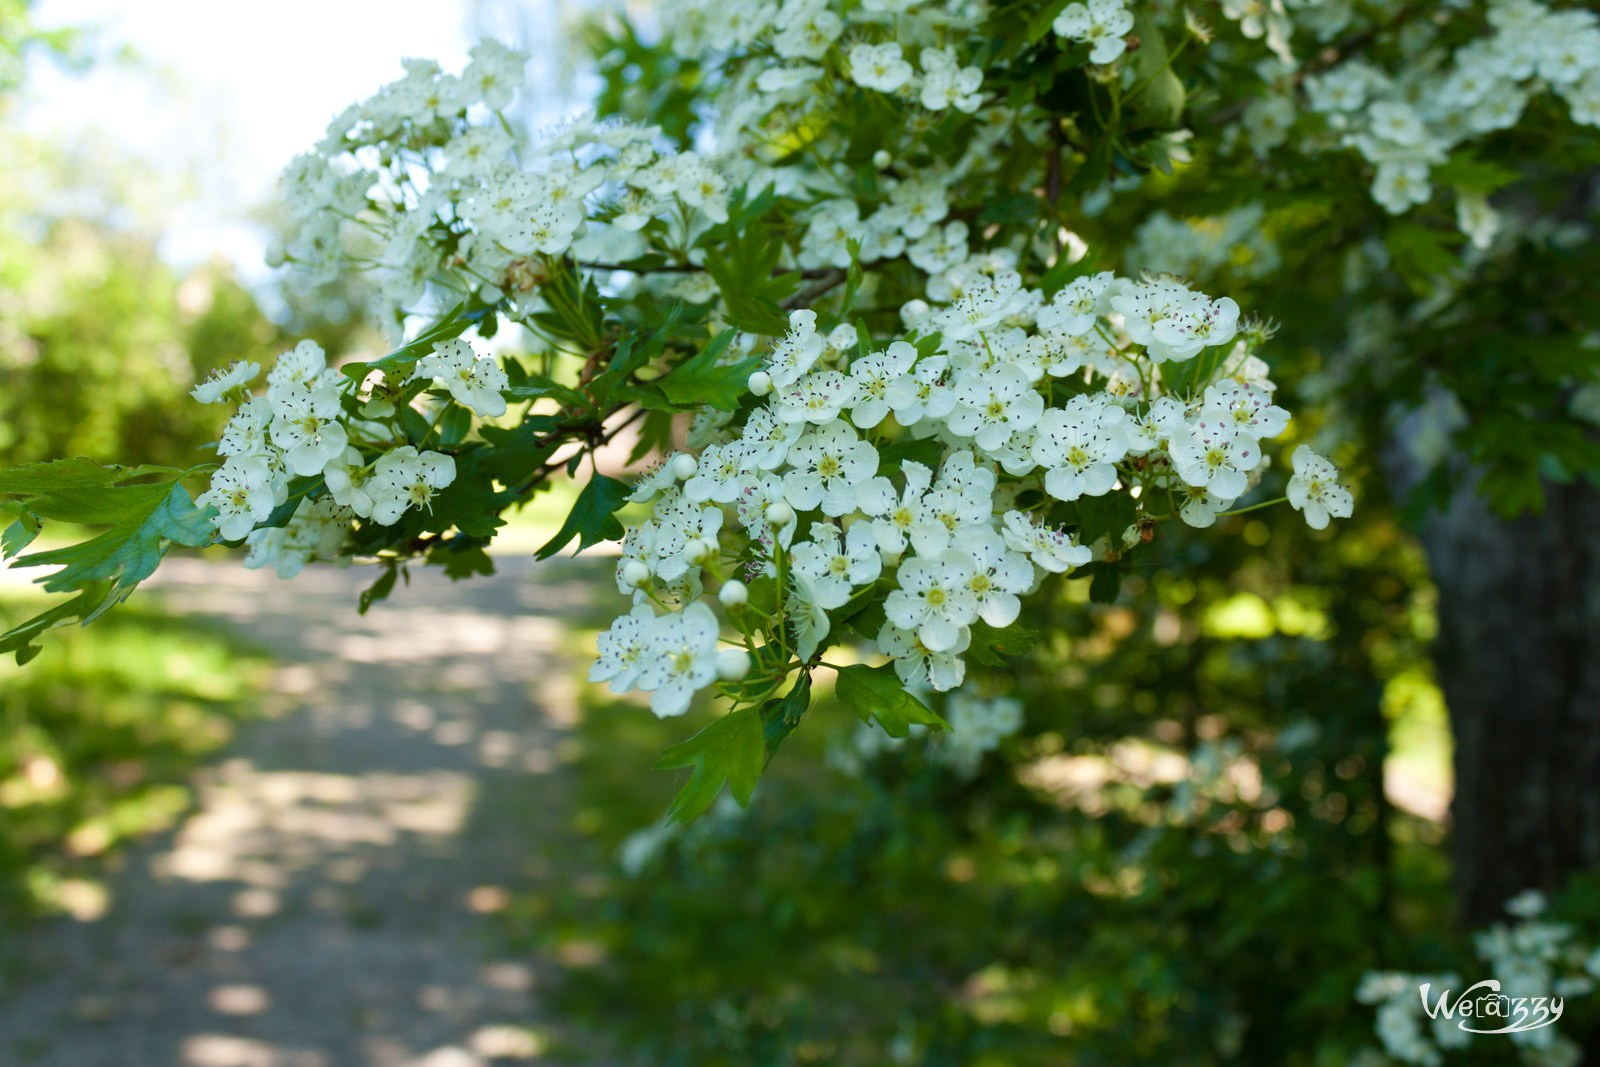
228	92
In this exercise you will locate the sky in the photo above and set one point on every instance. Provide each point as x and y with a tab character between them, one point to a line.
222	95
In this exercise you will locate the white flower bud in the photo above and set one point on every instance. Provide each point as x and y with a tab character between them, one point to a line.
275	254
915	313
683	468
734	593
701	550
733	664
779	513
635	574
761	383
882	159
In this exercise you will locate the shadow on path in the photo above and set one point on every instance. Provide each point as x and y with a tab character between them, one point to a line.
327	902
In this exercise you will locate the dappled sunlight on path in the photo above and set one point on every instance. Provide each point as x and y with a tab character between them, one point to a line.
328	902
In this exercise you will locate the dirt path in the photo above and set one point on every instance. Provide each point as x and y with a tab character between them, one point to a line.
328	903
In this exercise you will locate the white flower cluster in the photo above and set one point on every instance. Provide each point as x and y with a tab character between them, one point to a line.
1026	402
781	69
943	82
1530	958
802	32
1405	124
426	175
299	428
669	656
1406	1033
1105	24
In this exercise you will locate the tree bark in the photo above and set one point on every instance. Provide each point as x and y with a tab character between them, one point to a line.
1518	657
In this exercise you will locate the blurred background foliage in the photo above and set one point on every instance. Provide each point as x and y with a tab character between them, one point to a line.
100	340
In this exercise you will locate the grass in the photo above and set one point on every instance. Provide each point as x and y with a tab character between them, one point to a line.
97	738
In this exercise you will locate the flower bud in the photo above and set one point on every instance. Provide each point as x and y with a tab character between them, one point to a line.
882	159
779	513
914	313
634	574
275	254
733	664
734	593
683	467
701	550
761	383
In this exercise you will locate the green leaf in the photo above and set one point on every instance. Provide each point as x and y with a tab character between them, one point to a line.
990	644
141	529
537	386
1095	168
868	622
743	272
414	424
1106	583
1065	271
1159	104
731	749
462	563
20	534
470	503
86	605
1109	514
77	473
1418	253
145	518
779	718
518	450
927	346
299	489
454	323
378	590
701	381
591	519
1007	209
1039	25
764	595
1189	377
455	425
852	282
1474	175
632	354
655	435
877	693
893	456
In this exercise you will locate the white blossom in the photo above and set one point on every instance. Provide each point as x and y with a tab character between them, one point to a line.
1314	490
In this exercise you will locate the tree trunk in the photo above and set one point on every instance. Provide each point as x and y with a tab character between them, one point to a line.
1518	659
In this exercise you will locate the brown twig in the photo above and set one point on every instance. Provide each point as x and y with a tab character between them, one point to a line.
826	280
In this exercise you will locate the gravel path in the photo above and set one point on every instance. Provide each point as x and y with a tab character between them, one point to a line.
329	902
